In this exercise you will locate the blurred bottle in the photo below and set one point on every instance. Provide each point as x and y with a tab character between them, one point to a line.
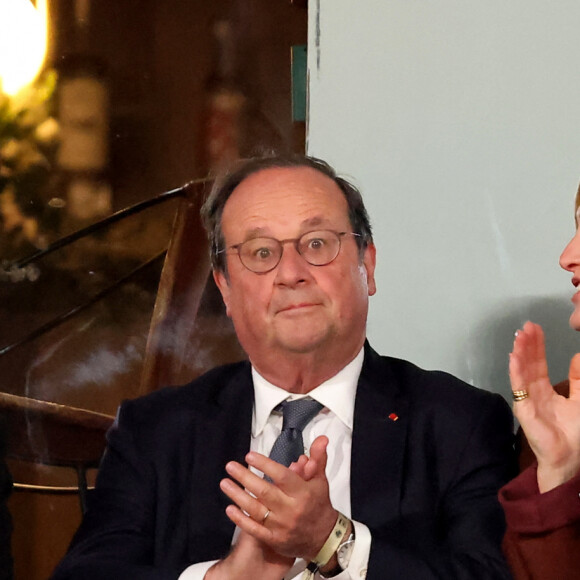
83	112
225	104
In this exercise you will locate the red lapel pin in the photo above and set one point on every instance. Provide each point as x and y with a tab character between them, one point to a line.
394	417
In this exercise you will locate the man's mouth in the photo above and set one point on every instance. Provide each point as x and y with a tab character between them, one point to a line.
297	306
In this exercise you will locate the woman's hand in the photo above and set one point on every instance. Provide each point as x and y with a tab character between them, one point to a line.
550	421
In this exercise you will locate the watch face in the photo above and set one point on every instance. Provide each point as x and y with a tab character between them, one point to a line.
344	553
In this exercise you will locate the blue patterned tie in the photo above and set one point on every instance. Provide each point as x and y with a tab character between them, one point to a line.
296	415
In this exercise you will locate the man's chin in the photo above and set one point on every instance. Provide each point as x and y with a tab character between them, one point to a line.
300	346
300	343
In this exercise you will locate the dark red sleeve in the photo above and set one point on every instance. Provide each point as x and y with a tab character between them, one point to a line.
543	530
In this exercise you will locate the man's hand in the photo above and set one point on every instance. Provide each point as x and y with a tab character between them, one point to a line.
551	422
308	467
250	560
300	516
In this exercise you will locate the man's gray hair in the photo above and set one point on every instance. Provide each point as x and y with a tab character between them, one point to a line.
224	186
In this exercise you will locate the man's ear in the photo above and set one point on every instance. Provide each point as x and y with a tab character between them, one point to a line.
369	263
223	285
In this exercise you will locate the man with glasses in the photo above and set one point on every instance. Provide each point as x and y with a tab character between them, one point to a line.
317	458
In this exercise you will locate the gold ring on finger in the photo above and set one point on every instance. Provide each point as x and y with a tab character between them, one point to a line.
520	395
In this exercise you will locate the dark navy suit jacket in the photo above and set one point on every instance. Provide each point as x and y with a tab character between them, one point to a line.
425	484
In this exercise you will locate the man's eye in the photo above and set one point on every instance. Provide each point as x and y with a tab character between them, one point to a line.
316	244
262	253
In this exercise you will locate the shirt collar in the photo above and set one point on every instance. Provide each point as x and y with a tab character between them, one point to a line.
336	394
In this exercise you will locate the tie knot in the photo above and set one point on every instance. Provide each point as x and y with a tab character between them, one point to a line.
297	414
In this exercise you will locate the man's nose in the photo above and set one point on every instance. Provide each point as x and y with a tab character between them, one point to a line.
292	268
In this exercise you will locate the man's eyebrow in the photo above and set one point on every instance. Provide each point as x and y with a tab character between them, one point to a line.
259	232
305	226
315	221
256	233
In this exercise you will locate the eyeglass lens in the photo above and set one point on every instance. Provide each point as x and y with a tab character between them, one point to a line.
263	254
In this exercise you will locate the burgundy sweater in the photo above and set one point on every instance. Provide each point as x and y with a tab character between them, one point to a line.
542	541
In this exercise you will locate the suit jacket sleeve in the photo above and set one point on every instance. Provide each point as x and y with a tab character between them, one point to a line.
543	530
116	537
157	506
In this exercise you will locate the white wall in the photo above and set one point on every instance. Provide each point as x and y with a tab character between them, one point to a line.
460	122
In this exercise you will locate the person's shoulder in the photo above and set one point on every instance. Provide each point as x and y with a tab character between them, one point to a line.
445	407
432	386
209	388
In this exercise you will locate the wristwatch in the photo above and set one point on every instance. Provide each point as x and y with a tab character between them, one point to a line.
344	551
343	554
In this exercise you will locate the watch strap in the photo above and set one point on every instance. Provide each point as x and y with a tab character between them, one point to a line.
334	540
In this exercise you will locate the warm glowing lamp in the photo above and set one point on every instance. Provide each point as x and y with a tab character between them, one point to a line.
23	43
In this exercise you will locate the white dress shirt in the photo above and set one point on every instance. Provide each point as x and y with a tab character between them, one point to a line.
337	395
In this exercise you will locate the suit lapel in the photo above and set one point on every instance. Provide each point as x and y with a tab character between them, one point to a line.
222	433
378	443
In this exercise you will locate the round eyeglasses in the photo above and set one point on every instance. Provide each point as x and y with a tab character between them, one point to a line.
261	255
